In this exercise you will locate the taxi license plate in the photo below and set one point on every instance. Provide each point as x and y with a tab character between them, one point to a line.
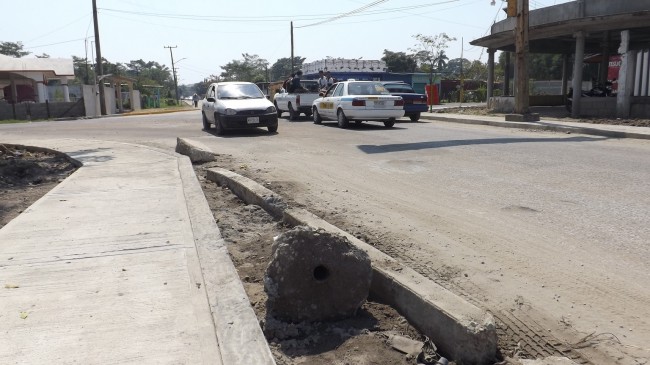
253	120
380	103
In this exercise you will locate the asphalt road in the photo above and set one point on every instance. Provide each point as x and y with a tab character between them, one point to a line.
560	222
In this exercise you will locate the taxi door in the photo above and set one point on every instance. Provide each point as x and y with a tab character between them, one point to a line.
327	106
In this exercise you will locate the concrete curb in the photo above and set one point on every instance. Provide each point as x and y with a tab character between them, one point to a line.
461	330
196	151
546	126
239	335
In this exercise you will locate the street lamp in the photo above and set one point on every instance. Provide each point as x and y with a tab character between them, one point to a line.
175	79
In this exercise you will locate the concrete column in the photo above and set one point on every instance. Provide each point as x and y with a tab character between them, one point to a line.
644	74
506	79
118	92
577	73
66	90
626	77
41	90
14	90
639	72
565	75
490	78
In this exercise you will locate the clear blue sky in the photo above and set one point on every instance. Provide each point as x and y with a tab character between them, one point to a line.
211	33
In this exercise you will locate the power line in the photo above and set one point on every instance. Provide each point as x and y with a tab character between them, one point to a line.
355	11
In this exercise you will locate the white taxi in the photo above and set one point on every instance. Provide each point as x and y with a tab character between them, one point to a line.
358	101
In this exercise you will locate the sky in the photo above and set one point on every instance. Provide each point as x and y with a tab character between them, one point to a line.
210	33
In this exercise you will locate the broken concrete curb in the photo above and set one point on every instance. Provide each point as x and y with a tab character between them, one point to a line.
461	330
545	126
196	151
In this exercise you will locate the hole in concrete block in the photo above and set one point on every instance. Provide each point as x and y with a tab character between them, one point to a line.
321	273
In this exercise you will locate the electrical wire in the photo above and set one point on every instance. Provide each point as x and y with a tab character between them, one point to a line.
340	16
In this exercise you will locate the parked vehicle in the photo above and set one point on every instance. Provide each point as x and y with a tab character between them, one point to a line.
358	101
237	105
414	103
297	102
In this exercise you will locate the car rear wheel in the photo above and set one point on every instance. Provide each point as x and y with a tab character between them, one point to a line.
389	123
272	128
206	122
277	109
358	122
218	127
342	119
316	117
415	117
293	115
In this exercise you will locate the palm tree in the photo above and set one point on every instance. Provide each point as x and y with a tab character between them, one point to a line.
441	60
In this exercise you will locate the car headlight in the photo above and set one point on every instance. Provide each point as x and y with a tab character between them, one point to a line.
231	111
271	109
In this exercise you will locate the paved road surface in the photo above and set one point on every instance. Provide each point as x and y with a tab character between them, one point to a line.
504	217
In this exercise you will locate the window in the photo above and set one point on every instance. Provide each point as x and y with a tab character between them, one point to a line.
339	90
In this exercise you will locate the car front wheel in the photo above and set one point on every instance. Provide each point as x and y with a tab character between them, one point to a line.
218	127
389	123
342	119
317	118
206	122
278	109
272	128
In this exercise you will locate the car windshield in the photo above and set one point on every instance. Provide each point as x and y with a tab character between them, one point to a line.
239	91
367	88
399	88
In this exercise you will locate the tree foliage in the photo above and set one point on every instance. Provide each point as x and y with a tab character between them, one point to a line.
399	61
14	49
281	69
250	68
541	66
430	50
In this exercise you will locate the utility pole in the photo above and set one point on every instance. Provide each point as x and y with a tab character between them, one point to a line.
174	71
522	97
292	66
100	68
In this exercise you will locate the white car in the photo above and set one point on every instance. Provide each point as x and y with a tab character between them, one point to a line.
237	105
358	101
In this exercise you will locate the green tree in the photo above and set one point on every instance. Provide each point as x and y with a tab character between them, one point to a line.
429	51
454	67
251	68
281	69
14	49
399	61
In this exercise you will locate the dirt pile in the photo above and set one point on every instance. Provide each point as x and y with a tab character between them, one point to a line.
27	174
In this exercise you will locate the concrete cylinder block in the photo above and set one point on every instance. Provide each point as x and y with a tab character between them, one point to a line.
316	276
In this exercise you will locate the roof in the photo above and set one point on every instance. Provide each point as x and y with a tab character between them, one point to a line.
50	66
552	29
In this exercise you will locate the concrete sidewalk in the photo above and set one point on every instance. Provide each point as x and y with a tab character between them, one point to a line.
605	130
122	263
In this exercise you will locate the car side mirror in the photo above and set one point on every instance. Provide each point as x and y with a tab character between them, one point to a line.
321	94
210	99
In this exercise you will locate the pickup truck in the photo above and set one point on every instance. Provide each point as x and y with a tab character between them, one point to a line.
297	102
414	104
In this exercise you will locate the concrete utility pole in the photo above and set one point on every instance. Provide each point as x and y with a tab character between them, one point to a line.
99	71
292	66
174	71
